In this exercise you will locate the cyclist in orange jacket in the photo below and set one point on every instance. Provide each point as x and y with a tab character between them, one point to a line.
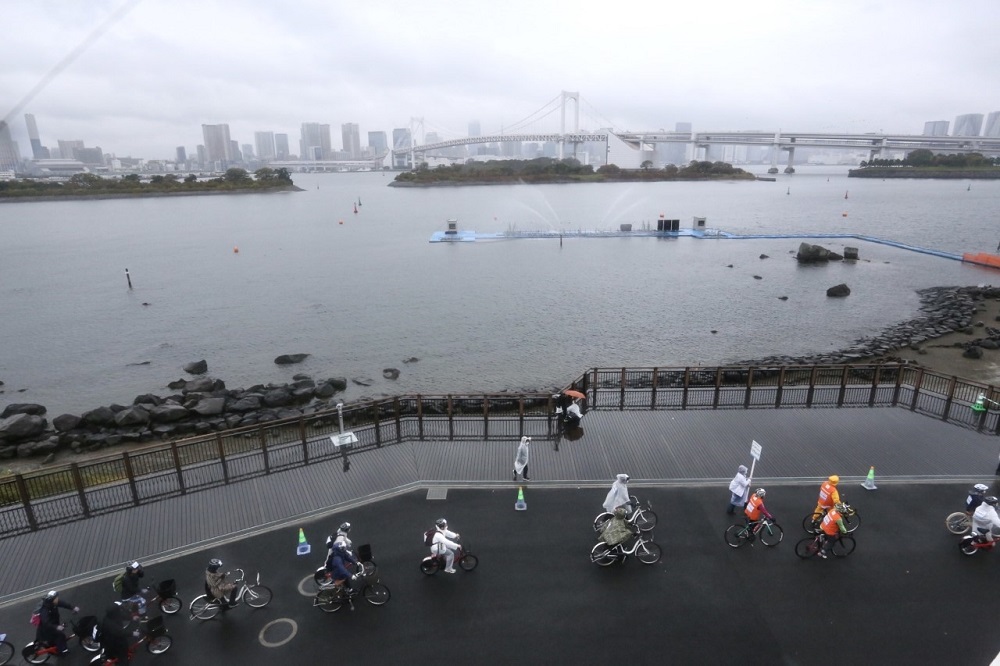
832	527
755	508
828	497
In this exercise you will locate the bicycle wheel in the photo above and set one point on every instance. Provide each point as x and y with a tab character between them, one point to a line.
468	562
32	656
958	522
736	535
646	521
843	546
648	552
329	601
429	565
968	546
601	521
376	594
771	534
368	568
170	605
159	644
319	577
89	643
6	652
852	521
203	609
807	547
257	596
811	523
603	555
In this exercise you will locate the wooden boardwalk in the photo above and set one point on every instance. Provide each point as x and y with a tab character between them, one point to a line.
661	447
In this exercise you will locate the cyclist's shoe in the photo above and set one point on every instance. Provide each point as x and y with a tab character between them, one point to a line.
822	554
452	570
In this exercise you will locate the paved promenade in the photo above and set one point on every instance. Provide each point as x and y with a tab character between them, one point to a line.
536	598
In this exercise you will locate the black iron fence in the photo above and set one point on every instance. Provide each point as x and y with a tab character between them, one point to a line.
76	491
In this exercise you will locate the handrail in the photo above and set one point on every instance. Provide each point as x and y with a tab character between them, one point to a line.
35	500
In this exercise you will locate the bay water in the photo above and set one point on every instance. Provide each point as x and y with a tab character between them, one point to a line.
365	291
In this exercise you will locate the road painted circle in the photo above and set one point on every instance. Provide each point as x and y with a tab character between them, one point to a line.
308	587
281	620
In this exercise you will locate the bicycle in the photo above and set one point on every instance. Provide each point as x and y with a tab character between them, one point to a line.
331	598
767	529
642	517
643	549
165	596
39	653
205	607
972	544
6	649
958	523
852	520
842	546
151	632
430	564
365	562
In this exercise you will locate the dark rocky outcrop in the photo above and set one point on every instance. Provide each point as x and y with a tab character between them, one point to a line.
839	291
288	359
390	373
22	408
196	367
21	426
810	254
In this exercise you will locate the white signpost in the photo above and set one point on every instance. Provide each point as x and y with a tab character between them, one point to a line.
755	449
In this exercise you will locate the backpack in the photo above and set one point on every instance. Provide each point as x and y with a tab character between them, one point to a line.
429	537
117	583
36	617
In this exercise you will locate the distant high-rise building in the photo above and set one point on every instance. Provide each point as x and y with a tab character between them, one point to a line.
351	134
234	151
474	129
89	156
202	154
936	128
182	157
281	146
10	154
969	124
992	125
265	145
401	141
217	144
67	148
38	151
378	143
315	142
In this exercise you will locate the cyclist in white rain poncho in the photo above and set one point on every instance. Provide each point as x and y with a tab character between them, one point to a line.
521	459
618	495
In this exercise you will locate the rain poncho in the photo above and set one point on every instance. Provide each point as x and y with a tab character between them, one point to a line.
617	529
740	487
618	495
521	457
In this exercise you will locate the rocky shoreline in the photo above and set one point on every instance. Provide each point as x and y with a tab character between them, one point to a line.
204	404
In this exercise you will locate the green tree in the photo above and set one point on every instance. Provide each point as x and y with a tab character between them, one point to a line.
236	176
646	165
190	178
920	157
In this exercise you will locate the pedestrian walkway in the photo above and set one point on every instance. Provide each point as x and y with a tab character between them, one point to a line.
656	448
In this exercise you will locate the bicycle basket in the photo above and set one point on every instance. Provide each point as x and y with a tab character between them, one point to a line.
365	553
167	588
85	625
154	627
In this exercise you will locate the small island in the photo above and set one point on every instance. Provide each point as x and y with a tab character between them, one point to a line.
923	163
93	186
546	170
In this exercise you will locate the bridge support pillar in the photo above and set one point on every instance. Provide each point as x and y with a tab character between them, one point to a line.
775	149
791	160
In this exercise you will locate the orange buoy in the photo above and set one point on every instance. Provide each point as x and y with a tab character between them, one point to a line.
236	249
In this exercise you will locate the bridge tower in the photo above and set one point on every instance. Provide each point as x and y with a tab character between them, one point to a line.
575	96
414	123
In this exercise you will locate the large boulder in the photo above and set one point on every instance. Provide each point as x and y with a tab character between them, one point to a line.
278	397
390	373
168	413
22	426
100	416
196	367
288	359
839	291
22	408
247	403
65	422
147	399
809	254
203	385
135	415
209	406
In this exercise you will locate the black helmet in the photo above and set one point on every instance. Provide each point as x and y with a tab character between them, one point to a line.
991	500
214	564
441	522
344	528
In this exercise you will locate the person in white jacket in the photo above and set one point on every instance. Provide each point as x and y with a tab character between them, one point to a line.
618	495
739	489
521	459
985	521
443	544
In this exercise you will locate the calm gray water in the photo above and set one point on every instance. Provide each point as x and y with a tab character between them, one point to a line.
366	294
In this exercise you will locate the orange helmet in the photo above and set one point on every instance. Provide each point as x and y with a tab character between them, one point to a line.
834	479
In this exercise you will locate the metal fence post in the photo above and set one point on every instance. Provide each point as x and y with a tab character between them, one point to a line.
916	388
899	384
378	424
486	417
843	386
78	482
781	387
621	391
420	417
267	456
951	396
451	419
718	387
22	490
812	386
749	389
875	383
520	414
687	385
656	382
177	466
222	458
130	475
399	424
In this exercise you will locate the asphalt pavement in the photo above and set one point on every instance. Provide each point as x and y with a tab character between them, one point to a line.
906	595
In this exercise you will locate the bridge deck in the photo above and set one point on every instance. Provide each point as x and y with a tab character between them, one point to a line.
660	447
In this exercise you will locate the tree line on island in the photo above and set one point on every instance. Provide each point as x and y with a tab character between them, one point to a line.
553	170
90	184
924	158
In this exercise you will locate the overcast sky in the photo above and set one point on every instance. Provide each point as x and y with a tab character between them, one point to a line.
161	68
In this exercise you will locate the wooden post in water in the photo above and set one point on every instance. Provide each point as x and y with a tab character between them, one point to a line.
129	278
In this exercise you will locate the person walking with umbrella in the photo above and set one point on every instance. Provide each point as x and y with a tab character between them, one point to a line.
521	459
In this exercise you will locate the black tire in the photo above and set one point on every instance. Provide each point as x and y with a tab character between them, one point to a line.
99	660
6	652
601	521
90	644
29	655
429	565
368	568
648	552
376	594
330	601
736	535
843	546
770	534
257	596
852	522
968	546
203	609
603	555
647	521
319	576
468	562
159	644
807	547
170	605
811	523
958	522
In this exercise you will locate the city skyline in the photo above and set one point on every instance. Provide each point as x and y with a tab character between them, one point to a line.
140	78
